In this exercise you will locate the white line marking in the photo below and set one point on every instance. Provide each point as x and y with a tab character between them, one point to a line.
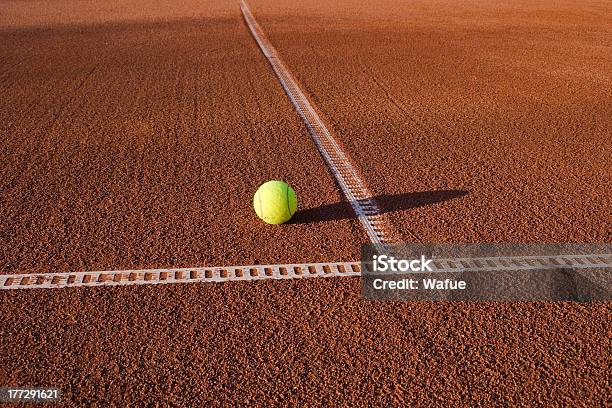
347	177
288	271
177	275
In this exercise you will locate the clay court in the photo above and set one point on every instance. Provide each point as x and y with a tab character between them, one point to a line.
133	136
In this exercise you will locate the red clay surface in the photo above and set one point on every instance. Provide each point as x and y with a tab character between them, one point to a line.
147	152
476	122
134	136
301	343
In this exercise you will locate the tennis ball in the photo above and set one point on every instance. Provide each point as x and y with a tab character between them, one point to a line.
275	202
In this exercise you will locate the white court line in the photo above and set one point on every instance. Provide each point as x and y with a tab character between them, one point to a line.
177	275
378	229
287	271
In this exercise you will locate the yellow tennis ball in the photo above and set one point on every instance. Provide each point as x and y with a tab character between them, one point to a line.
275	202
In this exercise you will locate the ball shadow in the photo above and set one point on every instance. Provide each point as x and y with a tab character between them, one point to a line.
386	203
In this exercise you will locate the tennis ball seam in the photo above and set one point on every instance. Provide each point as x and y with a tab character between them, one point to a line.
260	205
287	199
